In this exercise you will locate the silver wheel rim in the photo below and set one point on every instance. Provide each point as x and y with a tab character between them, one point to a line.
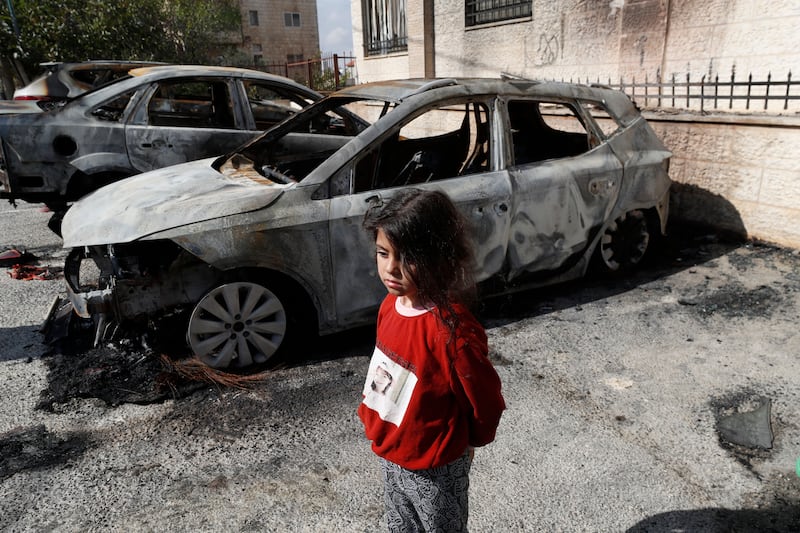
237	325
625	241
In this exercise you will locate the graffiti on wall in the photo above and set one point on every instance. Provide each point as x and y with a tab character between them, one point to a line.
548	50
640	47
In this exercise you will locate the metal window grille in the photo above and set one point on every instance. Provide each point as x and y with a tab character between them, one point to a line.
485	11
385	27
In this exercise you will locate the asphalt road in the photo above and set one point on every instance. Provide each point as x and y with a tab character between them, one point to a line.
615	391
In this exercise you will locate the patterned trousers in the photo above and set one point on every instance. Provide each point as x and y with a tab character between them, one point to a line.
427	501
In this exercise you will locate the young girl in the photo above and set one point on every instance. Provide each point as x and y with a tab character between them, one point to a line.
431	394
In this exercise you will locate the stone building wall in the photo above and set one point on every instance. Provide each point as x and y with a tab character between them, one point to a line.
602	39
271	38
735	174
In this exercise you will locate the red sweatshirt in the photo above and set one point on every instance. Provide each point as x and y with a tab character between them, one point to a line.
425	402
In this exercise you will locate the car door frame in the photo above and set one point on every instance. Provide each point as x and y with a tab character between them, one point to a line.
484	199
560	203
143	140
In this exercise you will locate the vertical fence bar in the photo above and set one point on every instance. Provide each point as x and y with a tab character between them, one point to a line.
766	94
730	94
688	90
716	90
660	86
646	91
702	93
788	85
673	89
749	90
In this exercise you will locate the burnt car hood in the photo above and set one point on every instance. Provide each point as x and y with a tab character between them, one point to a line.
163	199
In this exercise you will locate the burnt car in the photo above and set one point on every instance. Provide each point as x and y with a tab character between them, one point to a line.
152	118
256	247
62	82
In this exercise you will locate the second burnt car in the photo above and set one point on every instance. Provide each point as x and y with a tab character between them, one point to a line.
253	248
153	117
62	82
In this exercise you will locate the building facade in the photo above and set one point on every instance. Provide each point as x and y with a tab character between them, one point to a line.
574	39
279	31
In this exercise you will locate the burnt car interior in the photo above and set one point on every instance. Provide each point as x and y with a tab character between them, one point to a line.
539	131
192	104
533	137
440	143
288	154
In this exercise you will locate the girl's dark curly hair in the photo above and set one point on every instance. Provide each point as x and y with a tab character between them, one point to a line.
429	234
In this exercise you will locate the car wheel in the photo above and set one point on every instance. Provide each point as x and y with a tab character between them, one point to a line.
237	325
624	242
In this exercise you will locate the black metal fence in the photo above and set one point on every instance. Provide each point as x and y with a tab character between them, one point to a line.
712	94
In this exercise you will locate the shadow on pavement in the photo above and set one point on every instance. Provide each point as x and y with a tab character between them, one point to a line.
684	247
772	519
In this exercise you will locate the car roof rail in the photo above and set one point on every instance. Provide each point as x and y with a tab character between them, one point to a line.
507	76
434	84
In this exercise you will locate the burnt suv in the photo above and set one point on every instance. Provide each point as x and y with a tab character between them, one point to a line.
256	247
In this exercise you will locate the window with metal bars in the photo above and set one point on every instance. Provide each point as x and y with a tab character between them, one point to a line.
485	11
384	27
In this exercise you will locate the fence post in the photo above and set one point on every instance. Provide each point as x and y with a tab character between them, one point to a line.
336	71
310	77
716	89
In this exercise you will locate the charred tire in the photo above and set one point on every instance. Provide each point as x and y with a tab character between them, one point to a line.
238	325
624	243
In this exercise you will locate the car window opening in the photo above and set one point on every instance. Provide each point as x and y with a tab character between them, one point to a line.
441	143
544	130
193	104
291	151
